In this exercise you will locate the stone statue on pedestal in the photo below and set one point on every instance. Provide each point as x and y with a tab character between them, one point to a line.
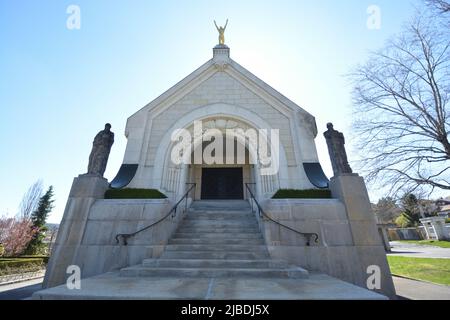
336	149
101	147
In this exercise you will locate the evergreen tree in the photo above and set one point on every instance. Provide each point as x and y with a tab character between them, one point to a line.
39	218
411	215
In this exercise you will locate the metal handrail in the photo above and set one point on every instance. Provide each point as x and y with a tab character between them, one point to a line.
172	212
261	213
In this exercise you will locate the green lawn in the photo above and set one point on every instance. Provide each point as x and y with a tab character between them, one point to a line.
427	269
442	244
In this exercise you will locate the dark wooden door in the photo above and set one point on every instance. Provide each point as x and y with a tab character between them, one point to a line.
222	184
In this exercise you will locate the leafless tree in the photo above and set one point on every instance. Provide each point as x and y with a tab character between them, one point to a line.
386	210
53	230
30	199
401	97
442	6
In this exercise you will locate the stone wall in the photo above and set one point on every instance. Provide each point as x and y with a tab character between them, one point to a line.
346	247
334	254
406	234
108	218
86	237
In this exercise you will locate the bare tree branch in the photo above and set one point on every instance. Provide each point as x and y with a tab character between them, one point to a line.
440	5
30	200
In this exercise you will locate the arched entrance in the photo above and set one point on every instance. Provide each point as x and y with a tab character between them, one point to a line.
222	179
225	178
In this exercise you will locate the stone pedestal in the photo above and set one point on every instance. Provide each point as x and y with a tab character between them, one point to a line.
86	189
351	190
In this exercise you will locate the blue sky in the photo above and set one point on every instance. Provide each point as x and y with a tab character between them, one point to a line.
58	86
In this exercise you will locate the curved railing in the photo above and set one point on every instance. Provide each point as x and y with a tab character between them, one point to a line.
172	213
307	235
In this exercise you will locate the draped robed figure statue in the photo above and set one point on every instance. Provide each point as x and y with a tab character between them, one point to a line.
101	148
336	149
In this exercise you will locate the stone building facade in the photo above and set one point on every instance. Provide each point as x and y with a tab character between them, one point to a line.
222	95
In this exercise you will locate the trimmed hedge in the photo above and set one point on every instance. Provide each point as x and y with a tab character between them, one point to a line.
44	258
302	194
21	265
129	193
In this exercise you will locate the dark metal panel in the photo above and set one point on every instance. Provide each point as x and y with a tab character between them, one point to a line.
222	184
124	176
316	175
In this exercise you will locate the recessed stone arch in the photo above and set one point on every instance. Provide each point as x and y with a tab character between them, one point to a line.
221	112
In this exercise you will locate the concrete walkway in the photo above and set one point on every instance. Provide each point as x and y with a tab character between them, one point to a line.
20	290
418	251
418	290
406	288
111	286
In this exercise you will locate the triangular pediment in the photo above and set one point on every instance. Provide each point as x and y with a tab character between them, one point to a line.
235	71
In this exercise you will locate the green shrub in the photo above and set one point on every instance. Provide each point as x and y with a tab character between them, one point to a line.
446	221
2	250
403	221
129	193
302	194
44	258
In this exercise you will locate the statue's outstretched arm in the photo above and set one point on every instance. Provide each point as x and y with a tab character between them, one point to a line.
225	25
216	25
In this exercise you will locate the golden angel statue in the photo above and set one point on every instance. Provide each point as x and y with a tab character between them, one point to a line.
221	32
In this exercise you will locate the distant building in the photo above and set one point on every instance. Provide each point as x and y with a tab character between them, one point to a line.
444	207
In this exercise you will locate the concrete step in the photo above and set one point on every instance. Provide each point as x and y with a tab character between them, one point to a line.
140	271
207	234
214	263
221	205
229	211
218	230
220	220
221	212
110	286
251	221
216	241
222	216
226	255
216	247
218	224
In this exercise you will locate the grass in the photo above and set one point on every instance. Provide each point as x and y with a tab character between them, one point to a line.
442	244
129	193
426	269
302	194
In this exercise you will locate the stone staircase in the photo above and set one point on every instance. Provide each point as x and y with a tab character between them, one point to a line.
217	239
217	253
